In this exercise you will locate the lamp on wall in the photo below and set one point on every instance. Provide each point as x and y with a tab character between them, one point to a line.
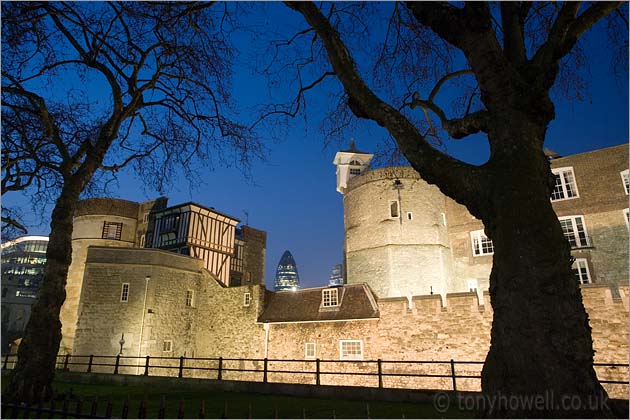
122	343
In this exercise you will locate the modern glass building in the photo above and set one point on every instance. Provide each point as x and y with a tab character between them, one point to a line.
287	277
23	262
336	276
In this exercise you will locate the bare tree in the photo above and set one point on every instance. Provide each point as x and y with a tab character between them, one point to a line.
92	87
541	341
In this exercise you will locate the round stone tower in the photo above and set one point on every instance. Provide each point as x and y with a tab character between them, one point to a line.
99	222
396	239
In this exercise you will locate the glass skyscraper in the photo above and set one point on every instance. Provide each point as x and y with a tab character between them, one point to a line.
287	277
336	276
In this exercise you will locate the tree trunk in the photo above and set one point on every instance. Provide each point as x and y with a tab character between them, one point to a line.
33	375
540	361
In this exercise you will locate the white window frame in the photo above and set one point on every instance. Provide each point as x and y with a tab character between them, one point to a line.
626	217
190	298
625	180
584	263
124	292
563	184
330	298
310	351
345	355
389	209
579	242
477	239
167	346
142	240
247	299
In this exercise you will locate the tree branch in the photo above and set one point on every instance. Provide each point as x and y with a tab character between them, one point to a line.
512	21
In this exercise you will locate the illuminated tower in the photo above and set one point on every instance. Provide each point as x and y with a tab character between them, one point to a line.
287	277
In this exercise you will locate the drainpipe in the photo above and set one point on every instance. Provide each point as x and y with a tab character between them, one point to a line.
266	328
144	312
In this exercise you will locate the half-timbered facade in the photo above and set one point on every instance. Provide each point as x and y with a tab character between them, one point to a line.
197	231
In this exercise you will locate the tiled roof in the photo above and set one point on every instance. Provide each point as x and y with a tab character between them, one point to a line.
356	302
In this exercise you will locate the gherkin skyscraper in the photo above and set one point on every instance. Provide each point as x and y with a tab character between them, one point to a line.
287	277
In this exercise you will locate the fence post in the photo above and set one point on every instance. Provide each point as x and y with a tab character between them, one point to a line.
220	373
146	366
453	375
65	362
265	371
181	366
380	373
117	363
317	371
6	360
90	363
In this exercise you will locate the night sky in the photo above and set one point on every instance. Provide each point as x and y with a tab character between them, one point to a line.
292	195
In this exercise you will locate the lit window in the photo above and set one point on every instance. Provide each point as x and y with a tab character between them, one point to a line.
167	346
351	350
190	295
393	209
625	178
330	298
472	285
409	215
574	230
626	216
309	352
565	186
481	244
26	294
580	269
124	293
247	299
112	230
142	239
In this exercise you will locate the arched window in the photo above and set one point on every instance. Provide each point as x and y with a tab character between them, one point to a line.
355	163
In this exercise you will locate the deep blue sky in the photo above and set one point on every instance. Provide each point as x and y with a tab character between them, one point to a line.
292	194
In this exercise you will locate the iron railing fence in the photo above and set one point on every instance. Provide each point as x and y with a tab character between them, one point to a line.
308	371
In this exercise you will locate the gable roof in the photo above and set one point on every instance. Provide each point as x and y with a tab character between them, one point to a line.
356	302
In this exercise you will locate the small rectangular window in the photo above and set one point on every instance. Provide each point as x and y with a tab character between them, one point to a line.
393	209
190	296
625	179
481	244
472	285
247	299
330	298
409	215
580	269
124	292
355	171
112	230
565	187
309	351
167	346
351	350
142	239
145	217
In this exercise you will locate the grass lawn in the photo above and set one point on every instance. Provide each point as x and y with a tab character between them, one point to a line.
239	405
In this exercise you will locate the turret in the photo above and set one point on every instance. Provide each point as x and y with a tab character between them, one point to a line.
350	163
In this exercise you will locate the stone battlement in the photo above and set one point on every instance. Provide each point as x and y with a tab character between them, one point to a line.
142	256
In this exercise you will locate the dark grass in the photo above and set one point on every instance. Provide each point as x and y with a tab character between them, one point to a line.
235	405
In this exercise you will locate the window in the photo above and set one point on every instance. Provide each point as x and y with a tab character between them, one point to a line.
247	298
625	178
472	285
190	296
351	350
112	230
393	209
145	217
124	293
248	277
409	215
330	298
309	351
565	187
26	294
481	244
574	231
580	269
142	239
167	346
355	171
626	216
444	219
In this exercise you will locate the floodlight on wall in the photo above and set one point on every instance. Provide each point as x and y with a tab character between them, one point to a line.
398	185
